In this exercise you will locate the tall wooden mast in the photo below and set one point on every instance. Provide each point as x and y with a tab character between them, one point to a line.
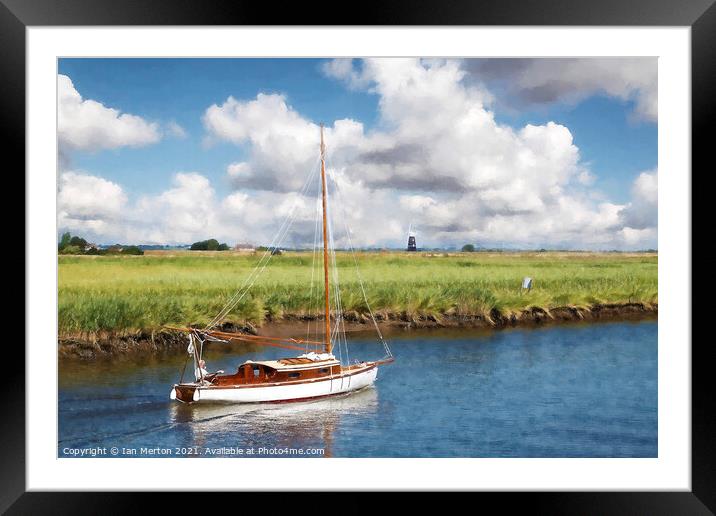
328	347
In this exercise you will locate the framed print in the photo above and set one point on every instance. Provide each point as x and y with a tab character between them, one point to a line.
414	250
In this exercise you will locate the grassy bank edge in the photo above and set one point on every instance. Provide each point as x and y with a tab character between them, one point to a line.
89	345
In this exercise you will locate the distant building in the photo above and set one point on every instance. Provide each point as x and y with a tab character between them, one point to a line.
245	248
411	242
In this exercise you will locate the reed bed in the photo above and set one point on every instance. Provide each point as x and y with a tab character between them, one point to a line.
131	293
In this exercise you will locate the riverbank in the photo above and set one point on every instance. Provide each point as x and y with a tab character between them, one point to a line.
110	305
95	345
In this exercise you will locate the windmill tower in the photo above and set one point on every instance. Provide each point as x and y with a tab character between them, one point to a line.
412	247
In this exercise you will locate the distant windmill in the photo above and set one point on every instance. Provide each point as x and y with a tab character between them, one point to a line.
411	239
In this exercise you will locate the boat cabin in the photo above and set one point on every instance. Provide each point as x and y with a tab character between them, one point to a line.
282	370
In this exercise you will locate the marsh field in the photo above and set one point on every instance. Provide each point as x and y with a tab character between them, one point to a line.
130	294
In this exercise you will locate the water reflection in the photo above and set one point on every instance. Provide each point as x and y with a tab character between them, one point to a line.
312	423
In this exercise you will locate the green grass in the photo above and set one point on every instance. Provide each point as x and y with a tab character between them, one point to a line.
129	293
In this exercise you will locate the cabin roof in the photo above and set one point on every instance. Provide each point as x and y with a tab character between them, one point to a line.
285	364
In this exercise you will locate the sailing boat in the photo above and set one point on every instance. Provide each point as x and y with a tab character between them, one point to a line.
307	376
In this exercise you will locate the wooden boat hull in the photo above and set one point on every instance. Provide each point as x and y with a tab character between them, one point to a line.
277	392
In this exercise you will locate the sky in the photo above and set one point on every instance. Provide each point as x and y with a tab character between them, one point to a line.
514	153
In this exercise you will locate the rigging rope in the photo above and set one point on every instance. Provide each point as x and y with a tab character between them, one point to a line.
339	197
338	332
263	262
340	329
313	269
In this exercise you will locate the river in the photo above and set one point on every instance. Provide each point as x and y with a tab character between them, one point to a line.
558	391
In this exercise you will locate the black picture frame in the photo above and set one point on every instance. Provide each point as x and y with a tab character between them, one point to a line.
700	15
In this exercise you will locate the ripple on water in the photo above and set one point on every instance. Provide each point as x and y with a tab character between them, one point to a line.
559	391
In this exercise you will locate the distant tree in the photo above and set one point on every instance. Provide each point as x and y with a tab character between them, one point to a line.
468	248
79	242
71	249
208	245
276	251
132	249
65	241
76	245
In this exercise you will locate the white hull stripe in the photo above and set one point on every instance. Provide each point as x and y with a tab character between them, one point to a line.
278	392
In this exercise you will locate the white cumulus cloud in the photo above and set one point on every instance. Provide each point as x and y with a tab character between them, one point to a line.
88	125
641	213
89	203
437	159
176	130
549	80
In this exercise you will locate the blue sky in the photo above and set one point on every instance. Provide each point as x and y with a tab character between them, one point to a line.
615	144
181	90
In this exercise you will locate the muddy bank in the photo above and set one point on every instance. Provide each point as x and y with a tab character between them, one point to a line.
111	344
